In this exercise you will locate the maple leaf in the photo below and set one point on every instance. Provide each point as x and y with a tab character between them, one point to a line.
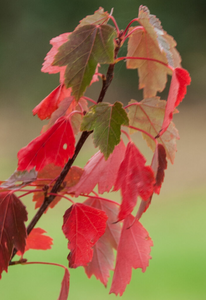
51	171
87	46
64	292
148	115
19	179
100	171
103	257
151	42
134	178
180	79
106	120
56	145
49	104
133	252
99	17
36	240
83	226
12	229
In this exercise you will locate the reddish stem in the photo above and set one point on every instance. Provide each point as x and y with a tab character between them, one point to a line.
145	58
130	23
127	135
89	99
115	24
132	31
100	198
60	195
145	132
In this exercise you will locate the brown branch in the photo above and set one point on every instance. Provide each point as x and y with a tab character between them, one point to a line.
48	200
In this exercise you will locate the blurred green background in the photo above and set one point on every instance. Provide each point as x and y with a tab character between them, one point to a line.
176	220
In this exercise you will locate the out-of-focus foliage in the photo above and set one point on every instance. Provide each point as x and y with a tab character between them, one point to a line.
28	25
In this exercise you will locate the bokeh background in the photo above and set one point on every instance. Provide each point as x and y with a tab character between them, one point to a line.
176	220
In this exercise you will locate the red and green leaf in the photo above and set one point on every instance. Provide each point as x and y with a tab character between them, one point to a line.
106	120
87	46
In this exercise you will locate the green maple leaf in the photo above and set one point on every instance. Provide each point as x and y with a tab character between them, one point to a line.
87	46
106	120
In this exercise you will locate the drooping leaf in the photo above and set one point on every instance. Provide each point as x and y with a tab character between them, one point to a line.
148	115
159	165
100	171
55	146
100	16
19	179
13	214
87	46
103	256
64	292
133	252
83	226
134	179
51	172
180	79
48	105
151	42
37	241
106	120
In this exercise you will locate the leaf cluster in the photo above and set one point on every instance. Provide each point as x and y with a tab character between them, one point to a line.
98	226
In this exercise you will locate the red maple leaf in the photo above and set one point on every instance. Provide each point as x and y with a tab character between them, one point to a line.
83	226
134	178
103	257
36	240
49	104
13	214
64	292
55	146
100	171
180	79
133	252
51	172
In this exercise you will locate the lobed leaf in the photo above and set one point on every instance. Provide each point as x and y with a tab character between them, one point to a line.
133	252
151	42
37	241
55	146
13	214
87	46
106	120
82	226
